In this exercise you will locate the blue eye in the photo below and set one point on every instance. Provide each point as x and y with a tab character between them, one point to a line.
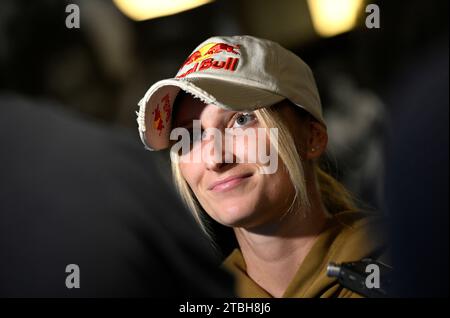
243	119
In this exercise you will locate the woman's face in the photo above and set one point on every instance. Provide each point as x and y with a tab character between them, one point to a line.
233	194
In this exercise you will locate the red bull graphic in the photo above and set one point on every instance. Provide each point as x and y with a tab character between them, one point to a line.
203	58
166	107
222	47
192	58
158	121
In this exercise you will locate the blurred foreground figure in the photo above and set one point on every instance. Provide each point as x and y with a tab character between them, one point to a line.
72	192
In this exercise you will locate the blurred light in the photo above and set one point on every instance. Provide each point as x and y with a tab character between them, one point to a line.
148	9
331	17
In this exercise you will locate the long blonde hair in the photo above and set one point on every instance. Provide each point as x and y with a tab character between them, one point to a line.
335	196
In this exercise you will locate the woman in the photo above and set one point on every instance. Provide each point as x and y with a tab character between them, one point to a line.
289	217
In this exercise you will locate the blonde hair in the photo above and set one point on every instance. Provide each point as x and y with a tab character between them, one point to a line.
335	196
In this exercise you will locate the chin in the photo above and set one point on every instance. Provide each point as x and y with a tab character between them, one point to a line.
236	216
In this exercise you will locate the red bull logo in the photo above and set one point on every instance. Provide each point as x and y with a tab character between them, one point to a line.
158	116
192	58
204	58
223	47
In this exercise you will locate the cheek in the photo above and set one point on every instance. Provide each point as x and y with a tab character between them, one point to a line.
191	172
280	189
252	147
243	149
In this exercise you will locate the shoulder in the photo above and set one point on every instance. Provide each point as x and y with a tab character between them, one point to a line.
360	235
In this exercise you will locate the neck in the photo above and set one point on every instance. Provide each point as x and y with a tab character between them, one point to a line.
273	253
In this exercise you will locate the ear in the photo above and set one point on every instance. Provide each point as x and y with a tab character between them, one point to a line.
317	140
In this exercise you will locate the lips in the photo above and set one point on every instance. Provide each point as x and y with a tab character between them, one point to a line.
228	183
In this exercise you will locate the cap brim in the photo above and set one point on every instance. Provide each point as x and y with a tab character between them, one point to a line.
155	110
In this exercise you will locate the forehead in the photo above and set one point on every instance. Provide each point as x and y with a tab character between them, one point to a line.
188	108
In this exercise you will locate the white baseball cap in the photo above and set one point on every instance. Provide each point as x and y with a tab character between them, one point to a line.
241	73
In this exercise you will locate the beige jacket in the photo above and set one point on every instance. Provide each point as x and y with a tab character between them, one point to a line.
349	236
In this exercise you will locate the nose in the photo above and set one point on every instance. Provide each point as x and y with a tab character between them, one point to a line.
215	156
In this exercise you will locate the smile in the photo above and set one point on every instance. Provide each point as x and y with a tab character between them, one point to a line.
229	183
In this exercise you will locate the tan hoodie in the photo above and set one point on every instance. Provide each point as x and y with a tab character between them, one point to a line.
349	236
